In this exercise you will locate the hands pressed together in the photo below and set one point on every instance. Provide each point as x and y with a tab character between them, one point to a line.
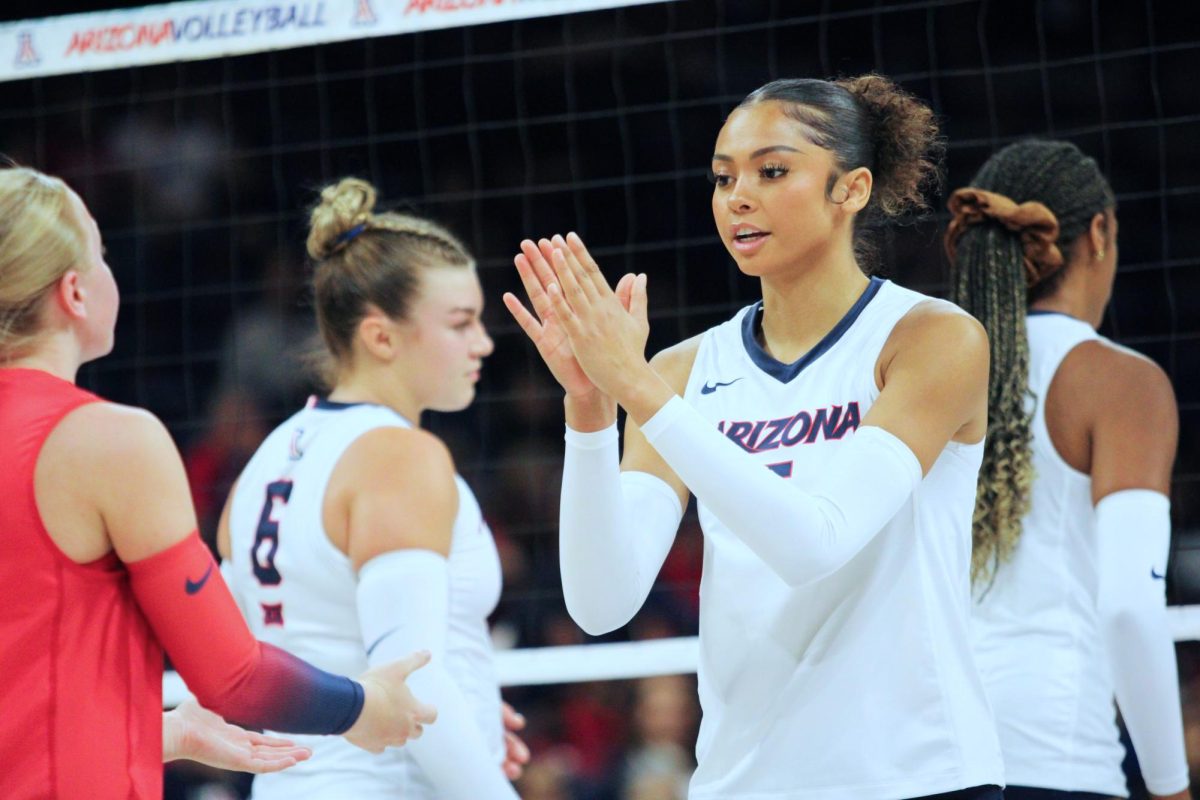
591	336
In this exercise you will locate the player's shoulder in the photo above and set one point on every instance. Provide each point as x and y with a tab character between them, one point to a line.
674	364
932	316
391	454
1116	379
939	331
114	432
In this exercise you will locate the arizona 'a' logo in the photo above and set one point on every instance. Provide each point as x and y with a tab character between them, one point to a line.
364	14
26	55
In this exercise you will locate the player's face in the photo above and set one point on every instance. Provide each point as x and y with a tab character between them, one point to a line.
99	288
769	191
449	340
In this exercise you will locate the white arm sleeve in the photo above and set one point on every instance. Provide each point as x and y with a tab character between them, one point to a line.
1133	530
802	532
403	606
615	529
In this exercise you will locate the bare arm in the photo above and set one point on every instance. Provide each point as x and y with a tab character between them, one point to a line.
933	374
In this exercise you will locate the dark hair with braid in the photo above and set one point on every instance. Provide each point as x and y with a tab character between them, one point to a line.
366	258
989	281
867	121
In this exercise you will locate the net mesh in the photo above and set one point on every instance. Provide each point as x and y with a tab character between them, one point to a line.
198	174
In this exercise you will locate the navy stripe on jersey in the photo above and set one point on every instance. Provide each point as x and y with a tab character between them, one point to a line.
1043	312
784	373
325	404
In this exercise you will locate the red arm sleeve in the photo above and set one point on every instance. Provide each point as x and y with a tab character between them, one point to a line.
194	616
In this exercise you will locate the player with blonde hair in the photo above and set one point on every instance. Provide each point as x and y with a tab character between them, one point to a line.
350	536
102	566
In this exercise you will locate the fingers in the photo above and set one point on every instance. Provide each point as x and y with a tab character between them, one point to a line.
586	273
260	739
534	279
638	301
563	310
527	321
624	288
262	767
588	264
516	756
424	713
513	720
516	749
537	257
410	664
574	287
272	760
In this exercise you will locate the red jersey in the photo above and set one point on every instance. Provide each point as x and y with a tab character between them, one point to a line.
80	669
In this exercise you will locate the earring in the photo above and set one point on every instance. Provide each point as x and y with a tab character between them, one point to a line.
1100	255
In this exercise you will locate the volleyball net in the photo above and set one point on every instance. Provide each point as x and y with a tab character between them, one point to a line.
197	133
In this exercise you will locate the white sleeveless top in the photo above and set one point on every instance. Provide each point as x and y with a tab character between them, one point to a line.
1036	634
860	686
297	591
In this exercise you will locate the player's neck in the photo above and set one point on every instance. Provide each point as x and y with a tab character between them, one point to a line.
799	309
54	355
380	387
1074	298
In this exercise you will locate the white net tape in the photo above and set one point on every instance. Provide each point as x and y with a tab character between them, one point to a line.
532	666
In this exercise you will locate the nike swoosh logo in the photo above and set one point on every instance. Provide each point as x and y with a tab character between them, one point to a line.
1156	576
191	587
710	388
380	639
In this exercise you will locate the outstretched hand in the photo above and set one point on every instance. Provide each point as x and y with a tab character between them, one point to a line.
542	325
197	734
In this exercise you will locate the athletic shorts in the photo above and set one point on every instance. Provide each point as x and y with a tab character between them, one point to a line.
988	792
1029	793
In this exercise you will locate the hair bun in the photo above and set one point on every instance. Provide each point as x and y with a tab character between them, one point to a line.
343	206
908	149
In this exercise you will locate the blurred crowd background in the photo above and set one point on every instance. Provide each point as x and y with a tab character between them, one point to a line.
199	175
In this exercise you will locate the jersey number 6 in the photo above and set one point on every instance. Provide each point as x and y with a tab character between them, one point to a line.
266	539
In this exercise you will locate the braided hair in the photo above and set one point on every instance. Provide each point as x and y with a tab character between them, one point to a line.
990	280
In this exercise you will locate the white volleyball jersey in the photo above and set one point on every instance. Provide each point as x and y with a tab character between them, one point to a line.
1036	631
297	591
860	686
